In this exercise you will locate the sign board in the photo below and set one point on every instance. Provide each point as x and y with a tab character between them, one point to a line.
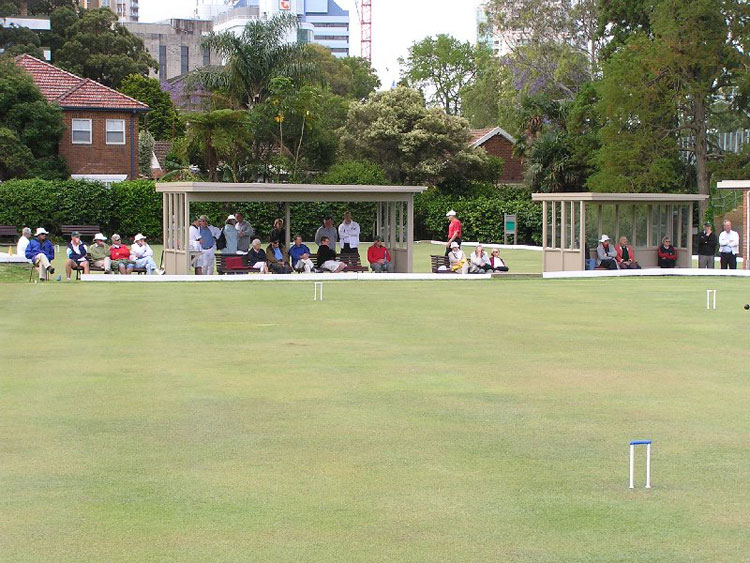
285	4
510	228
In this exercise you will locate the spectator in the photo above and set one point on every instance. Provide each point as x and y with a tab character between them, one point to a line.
454	231
496	263
707	242
41	253
327	230
77	255
349	235
729	247
257	257
379	257
327	257
204	264
457	259
300	255
194	235
23	242
626	255
667	254
606	255
231	236
277	233
245	232
99	254
143	256
278	258
120	256
479	262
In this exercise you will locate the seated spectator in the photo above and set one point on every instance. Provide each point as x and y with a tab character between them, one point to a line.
143	256
23	242
327	257
257	258
479	262
626	255
77	255
277	233
496	263
231	236
606	255
278	258
667	254
379	257
120	256
457	259
300	255
99	254
41	253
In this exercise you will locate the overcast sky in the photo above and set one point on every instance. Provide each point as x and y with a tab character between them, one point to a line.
396	25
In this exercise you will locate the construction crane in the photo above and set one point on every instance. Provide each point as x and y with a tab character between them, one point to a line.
364	10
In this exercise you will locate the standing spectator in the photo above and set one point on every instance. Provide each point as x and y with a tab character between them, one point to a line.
231	236
496	263
327	257
77	255
729	247
277	232
329	231
41	253
379	257
667	254
23	242
278	258
245	232
120	256
300	255
707	246
454	231
257	257
626	255
208	235
99	254
606	255
143	256
479	262
194	235
349	235
457	259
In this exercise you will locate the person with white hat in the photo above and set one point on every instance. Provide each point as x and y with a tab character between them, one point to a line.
41	253
457	259
454	231
143	256
99	254
78	255
606	255
231	236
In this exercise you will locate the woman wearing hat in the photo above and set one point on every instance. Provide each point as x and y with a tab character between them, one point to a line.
231	236
143	256
606	255
457	259
99	254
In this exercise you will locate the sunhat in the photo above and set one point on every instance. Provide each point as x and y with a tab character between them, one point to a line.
604	238
40	231
99	236
451	212
139	236
454	244
231	218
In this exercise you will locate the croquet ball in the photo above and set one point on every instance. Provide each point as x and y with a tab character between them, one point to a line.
747	306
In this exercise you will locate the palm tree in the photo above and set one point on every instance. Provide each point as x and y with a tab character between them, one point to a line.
252	59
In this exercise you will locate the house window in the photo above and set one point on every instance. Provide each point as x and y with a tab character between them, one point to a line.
206	56
184	59
115	131
81	131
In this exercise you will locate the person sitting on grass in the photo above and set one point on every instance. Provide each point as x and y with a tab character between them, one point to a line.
143	256
457	259
23	242
99	254
667	254
496	263
379	257
327	257
77	255
300	255
257	258
479	262
41	253
626	255
606	255
119	254
278	258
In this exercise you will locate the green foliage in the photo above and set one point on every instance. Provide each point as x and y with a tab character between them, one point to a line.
18	40
163	121
145	153
221	137
364	77
33	7
489	94
350	77
354	172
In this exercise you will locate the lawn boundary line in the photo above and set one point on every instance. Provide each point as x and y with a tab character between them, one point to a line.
647	272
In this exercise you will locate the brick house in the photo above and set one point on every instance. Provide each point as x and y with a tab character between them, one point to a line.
100	141
498	142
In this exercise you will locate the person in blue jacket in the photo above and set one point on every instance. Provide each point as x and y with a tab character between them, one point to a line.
41	253
78	255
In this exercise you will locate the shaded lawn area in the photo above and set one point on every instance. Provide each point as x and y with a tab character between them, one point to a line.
395	421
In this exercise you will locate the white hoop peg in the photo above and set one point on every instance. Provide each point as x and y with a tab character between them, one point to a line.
633	444
318	289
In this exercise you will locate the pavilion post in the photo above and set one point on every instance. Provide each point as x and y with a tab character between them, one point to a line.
582	234
410	234
185	232
287	223
392	223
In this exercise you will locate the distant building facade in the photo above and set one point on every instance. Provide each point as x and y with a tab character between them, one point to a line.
34	23
497	142
126	10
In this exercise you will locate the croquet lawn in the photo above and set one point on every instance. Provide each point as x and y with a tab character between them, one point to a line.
393	422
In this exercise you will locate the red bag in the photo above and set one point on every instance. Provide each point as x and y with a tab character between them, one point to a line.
233	263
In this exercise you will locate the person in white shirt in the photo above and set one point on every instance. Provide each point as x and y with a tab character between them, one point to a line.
479	262
349	235
143	256
23	242
457	259
729	247
208	236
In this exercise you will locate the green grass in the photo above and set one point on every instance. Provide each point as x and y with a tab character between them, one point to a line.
401	421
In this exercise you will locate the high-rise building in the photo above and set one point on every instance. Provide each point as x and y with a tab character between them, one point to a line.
330	25
126	10
500	43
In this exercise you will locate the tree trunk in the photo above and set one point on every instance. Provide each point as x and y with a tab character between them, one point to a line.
701	152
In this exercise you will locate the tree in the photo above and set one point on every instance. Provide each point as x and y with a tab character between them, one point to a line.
222	137
32	7
18	40
486	101
145	153
30	128
440	68
163	121
364	78
354	172
348	77
96	46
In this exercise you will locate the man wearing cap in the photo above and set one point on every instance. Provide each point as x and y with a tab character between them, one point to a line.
41	253
454	231
143	256
245	233
606	255
706	246
349	235
729	247
328	231
99	254
77	255
23	242
379	257
119	255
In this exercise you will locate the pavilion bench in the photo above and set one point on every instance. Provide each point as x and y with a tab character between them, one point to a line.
229	264
8	234
436	261
87	231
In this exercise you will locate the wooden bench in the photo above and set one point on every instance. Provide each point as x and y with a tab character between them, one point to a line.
8	234
243	268
436	261
85	230
353	262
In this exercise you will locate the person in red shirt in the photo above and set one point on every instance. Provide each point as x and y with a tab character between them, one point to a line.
454	231
379	257
120	255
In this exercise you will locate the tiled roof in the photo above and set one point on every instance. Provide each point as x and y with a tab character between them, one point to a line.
477	134
161	148
71	92
481	136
